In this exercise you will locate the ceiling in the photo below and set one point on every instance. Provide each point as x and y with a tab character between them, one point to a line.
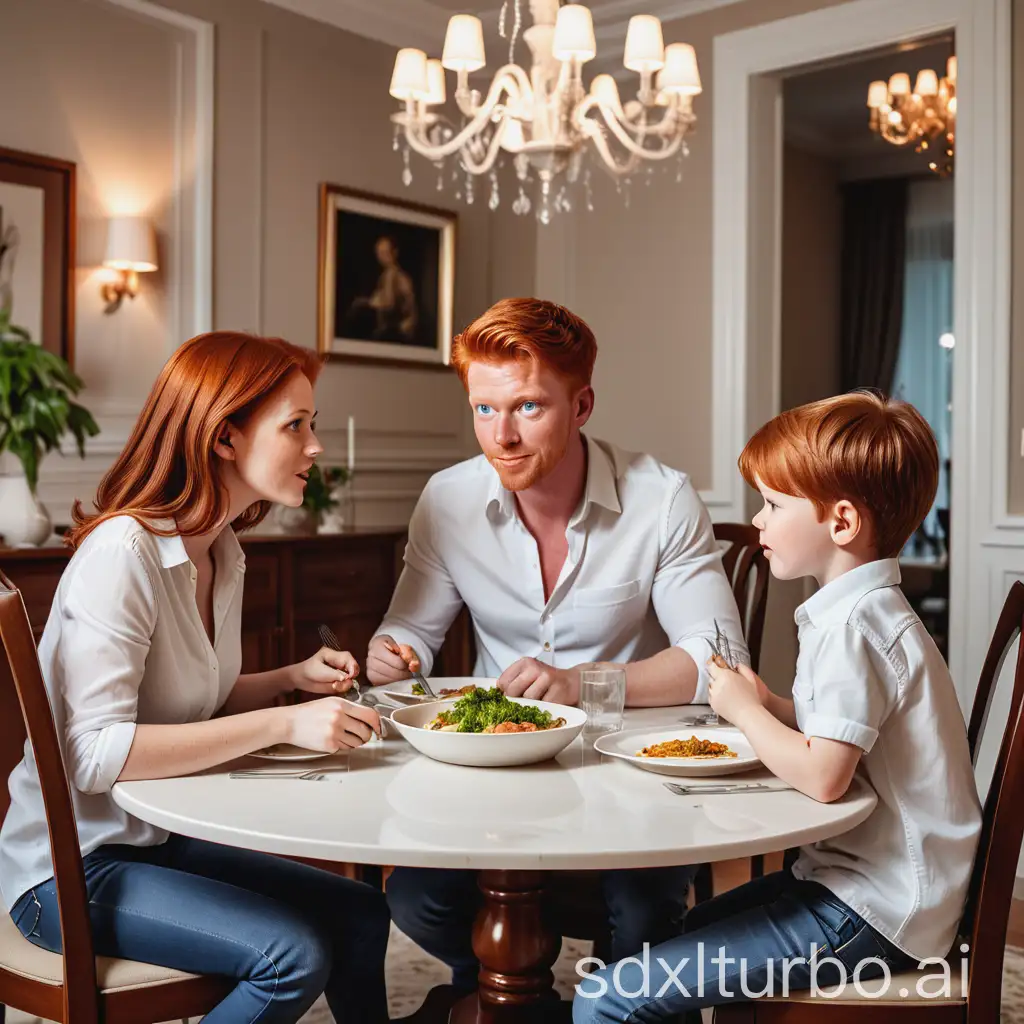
825	109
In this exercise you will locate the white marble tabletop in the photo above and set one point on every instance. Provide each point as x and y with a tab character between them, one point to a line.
387	804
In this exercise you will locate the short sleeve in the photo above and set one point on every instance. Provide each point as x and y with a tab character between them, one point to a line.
851	698
109	613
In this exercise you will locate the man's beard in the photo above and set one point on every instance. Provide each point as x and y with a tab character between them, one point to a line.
523	475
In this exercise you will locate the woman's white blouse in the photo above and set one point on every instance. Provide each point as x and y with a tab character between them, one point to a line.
124	644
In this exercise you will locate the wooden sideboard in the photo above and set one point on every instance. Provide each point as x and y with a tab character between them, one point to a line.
292	585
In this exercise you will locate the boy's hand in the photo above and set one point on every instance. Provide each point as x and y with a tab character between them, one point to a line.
734	694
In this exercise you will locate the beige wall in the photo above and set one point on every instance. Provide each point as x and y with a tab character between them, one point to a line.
1016	477
296	103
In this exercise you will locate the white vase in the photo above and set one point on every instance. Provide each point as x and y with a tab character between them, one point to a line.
23	517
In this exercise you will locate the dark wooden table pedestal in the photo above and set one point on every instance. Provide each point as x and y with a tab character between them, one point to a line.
516	950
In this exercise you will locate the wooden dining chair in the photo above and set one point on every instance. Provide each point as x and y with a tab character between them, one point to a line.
983	926
78	987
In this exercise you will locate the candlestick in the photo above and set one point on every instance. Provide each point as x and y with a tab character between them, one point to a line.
351	445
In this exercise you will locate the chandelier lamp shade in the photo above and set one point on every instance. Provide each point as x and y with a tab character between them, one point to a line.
544	120
923	117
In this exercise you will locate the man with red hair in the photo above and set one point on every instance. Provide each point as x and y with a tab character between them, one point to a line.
566	550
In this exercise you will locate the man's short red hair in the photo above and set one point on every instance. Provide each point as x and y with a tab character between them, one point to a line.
521	329
876	452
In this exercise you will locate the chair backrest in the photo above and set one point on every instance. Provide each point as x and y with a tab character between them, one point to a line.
747	569
995	865
79	990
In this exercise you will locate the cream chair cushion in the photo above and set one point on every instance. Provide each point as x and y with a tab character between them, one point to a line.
19	956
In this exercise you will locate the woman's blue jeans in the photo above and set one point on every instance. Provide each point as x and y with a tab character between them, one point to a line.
733	947
284	931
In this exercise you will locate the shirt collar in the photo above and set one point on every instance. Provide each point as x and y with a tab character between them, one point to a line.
836	600
600	489
227	550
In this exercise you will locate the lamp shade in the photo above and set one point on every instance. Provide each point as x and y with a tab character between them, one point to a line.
645	48
574	34
899	84
409	78
131	245
878	94
680	74
464	44
927	83
435	83
606	89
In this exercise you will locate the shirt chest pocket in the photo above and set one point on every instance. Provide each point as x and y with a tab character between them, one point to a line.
604	614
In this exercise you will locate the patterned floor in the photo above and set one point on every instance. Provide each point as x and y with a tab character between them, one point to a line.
411	974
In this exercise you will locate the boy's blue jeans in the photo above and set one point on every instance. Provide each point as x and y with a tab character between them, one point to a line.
284	931
759	924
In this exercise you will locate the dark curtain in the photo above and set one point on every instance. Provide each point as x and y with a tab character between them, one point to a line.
871	296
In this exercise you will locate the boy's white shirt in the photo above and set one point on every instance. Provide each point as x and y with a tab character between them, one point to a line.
869	674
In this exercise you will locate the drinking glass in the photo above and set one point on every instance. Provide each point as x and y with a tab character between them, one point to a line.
603	697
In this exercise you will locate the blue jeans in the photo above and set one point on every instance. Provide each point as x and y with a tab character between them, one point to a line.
284	931
436	908
758	924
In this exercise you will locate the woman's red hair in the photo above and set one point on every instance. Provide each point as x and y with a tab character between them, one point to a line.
168	469
519	329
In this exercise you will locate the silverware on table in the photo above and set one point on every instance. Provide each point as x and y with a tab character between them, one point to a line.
314	775
719	789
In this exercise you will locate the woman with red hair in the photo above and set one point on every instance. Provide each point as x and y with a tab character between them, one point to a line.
142	656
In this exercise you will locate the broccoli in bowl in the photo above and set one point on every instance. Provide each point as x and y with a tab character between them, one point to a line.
490	711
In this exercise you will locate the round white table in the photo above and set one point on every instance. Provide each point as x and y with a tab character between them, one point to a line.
387	804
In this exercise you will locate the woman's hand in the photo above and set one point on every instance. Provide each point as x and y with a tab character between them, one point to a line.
331	724
328	671
734	693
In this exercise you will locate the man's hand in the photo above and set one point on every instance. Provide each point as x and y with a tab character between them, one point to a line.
531	678
390	662
328	671
734	694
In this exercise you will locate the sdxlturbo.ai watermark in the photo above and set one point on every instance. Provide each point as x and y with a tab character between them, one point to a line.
938	985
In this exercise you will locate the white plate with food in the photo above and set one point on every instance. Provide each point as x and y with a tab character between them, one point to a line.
288	752
682	751
518	731
409	692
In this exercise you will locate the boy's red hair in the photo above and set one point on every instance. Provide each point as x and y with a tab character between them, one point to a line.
520	329
876	452
168	468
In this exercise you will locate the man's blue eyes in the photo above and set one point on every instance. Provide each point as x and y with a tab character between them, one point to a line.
485	410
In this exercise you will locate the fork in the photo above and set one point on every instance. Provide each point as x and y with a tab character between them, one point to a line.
329	639
419	678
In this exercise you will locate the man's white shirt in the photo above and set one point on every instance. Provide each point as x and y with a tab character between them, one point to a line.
643	571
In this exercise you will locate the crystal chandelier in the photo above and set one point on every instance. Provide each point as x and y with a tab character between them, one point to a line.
924	118
545	120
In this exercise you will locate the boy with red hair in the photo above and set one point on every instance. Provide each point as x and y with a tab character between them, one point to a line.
845	482
562	547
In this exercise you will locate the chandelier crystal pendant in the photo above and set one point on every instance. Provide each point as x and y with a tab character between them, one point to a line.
924	118
545	120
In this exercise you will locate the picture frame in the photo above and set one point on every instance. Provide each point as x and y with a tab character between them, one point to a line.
386	287
37	265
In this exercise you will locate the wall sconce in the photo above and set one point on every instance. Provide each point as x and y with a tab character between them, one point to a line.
131	250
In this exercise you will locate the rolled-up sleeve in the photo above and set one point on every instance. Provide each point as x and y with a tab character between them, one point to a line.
109	613
425	601
851	699
690	590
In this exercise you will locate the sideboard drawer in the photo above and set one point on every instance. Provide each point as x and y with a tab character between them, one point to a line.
363	576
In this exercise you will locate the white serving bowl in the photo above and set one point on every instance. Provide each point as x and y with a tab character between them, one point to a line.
489	750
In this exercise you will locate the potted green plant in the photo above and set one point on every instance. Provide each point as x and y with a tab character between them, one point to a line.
36	413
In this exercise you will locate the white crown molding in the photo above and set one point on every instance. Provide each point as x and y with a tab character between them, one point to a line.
397	22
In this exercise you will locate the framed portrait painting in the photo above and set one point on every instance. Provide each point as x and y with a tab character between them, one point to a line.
37	247
387	279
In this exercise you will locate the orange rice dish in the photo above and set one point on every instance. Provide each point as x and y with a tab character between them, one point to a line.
692	747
